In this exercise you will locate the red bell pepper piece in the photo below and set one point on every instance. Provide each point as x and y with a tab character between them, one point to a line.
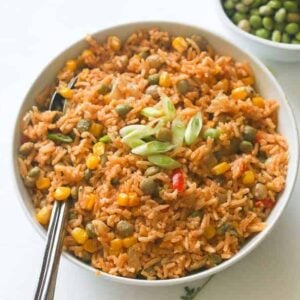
178	180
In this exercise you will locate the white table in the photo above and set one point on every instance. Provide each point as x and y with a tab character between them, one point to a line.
31	33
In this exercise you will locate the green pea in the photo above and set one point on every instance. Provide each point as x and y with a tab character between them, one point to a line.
212	133
285	38
34	172
246	147
290	6
151	171
105	139
279	26
114	181
103	89
229	4
237	17
293	17
83	125
274	4
298	36
245	25
240	7
123	109
292	28
247	2
183	86
296	42
265	10
256	3
276	36
255	21
149	187
249	133
90	230
153	79
152	90
280	15
268	23
124	229
262	33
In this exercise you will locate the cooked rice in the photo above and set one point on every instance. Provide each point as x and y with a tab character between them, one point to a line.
171	243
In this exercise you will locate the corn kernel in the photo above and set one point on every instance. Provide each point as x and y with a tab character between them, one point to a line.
106	99
210	232
248	80
90	245
71	65
42	183
92	161
179	44
99	148
248	178
165	79
86	53
62	193
129	241
90	201
114	43
239	93
43	215
66	92
221	168
122	199
96	129
133	199
79	235
116	245
258	101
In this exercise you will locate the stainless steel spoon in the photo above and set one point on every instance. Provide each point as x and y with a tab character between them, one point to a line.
47	279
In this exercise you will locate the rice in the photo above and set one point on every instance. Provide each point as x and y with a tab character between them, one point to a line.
176	231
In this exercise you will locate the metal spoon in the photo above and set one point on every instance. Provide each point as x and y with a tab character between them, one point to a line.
47	279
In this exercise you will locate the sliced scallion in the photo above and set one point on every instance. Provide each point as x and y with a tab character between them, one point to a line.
151	112
164	161
168	107
153	147
178	129
193	129
130	128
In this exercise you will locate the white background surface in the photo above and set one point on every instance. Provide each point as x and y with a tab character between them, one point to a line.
32	33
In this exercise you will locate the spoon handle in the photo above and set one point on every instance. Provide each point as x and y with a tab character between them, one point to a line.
48	274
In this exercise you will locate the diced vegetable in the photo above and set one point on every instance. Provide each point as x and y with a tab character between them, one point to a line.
43	183
179	44
99	148
124	229
65	92
83	125
164	135
213	133
43	215
153	147
129	241
96	129
149	187
130	128
59	137
92	161
178	180
165	79
123	109
164	161
168	107
210	232
248	178
133	199
79	235
178	130
221	168
122	199
62	193
26	148
151	112
193	129
105	139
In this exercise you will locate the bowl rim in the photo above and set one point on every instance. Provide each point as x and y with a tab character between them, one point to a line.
283	46
257	239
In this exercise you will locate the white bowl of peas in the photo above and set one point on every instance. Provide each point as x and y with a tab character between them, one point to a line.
269	28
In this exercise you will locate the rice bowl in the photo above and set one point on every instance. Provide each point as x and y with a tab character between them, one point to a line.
130	180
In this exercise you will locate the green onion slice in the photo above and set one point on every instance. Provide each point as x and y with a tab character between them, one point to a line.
164	161
193	129
168	107
153	147
151	112
178	130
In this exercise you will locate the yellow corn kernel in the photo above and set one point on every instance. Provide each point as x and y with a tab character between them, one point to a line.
248	178
133	199
165	79
129	241
179	44
258	101
116	245
43	215
66	92
221	168
122	199
248	80
210	232
86	53
99	148
62	193
239	93
90	245
96	129
106	99
90	201
92	161
71	65
79	235
42	183
114	43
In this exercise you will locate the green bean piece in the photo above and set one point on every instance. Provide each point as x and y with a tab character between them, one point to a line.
213	133
59	137
292	28
255	21
265	10
280	15
74	193
262	33
268	23
276	36
237	17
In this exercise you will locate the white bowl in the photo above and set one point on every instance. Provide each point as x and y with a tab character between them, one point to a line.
266	84
261	47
